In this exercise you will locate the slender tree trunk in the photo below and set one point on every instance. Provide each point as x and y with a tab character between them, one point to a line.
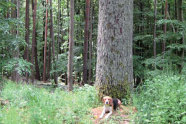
71	44
90	46
114	69
45	46
181	19
34	6
37	74
59	26
17	76
165	26
27	32
49	61
53	43
85	50
154	35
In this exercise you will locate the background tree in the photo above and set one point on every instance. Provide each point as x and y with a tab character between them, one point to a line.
86	35
27	32
34	8
45	46
114	71
71	44
53	41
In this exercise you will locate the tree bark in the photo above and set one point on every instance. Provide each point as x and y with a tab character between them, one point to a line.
181	19
114	70
90	46
85	50
27	32
59	27
154	34
34	6
53	43
37	74
71	44
45	46
165	26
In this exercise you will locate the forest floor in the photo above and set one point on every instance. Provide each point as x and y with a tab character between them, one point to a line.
25	100
121	116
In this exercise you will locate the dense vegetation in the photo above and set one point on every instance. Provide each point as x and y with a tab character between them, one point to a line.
170	29
32	105
161	100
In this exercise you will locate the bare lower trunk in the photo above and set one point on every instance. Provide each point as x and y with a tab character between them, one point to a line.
45	46
85	50
154	34
53	43
27	31
71	44
34	6
90	47
165	26
15	74
114	70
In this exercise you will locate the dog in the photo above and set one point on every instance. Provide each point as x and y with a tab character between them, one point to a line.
110	104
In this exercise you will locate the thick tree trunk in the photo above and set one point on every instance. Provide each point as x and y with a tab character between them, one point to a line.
114	70
45	46
85	50
53	43
71	45
34	7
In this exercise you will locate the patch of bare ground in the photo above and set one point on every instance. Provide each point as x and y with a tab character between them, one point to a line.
121	116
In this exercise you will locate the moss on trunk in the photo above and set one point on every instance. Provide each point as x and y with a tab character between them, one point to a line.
120	91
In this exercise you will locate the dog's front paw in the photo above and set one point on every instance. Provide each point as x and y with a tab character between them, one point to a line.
100	117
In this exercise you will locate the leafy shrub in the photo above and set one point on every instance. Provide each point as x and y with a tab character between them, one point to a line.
161	100
31	105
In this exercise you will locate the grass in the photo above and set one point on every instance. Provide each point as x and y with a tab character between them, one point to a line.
161	100
31	105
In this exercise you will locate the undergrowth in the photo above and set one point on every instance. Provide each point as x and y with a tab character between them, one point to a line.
31	105
161	100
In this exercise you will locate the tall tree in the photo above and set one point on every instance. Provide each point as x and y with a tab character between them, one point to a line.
15	14
154	34
90	45
165	25
59	26
27	32
181	19
114	70
53	43
45	46
34	6
85	50
71	45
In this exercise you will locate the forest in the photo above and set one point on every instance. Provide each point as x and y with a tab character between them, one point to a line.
59	58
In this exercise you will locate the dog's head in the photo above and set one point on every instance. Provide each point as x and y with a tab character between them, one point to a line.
107	100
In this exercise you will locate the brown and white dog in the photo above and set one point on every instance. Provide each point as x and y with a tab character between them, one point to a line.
110	104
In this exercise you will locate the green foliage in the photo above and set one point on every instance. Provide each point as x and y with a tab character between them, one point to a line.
20	65
161	100
31	105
